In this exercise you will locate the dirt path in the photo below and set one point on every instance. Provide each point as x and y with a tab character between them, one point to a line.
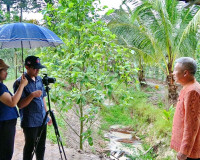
52	151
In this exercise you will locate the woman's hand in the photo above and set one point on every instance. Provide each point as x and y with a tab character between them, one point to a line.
12	101
24	81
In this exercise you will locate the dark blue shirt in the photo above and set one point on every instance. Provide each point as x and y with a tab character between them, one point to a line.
6	112
33	114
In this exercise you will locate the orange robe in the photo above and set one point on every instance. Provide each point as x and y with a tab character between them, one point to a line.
186	124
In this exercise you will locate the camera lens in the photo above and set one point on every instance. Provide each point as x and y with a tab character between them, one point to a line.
51	80
46	80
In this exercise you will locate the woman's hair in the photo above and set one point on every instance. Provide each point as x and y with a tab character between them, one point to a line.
188	63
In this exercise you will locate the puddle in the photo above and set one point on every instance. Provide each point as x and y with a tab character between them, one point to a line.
108	102
122	143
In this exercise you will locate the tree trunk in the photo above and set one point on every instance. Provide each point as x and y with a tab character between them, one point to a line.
8	12
141	78
81	126
8	9
172	88
141	75
16	65
20	15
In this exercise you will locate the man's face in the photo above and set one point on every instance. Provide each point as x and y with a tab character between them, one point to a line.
3	74
32	71
178	73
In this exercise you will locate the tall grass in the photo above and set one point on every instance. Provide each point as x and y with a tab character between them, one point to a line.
147	120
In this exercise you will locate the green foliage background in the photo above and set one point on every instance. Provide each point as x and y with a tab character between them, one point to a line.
94	64
87	65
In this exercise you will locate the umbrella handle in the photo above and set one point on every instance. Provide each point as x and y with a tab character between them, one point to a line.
22	57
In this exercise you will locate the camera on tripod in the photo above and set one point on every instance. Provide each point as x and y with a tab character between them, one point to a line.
46	80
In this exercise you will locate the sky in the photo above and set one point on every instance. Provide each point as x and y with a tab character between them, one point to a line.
110	3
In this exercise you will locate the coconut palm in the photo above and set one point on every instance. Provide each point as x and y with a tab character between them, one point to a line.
131	34
162	29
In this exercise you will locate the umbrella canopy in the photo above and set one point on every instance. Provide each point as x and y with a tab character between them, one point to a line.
27	35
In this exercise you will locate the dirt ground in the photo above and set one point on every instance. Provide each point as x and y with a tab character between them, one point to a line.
52	150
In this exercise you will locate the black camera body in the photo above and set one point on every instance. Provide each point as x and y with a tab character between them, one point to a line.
46	80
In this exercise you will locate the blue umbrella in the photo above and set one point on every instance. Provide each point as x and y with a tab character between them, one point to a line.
27	35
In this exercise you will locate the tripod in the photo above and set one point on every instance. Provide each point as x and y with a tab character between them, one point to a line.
59	140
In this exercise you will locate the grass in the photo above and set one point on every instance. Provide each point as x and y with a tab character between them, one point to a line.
147	120
51	131
115	115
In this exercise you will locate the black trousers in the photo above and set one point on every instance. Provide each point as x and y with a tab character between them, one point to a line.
7	138
30	134
192	159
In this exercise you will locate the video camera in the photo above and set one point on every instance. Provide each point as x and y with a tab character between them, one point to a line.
46	80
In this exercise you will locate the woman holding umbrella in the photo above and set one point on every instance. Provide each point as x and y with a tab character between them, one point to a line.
8	113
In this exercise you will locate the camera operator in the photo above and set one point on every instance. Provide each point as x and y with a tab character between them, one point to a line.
32	108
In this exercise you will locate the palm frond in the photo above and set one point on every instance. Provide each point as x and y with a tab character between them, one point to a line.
192	26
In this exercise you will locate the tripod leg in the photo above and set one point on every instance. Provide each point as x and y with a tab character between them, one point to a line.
55	125
59	140
39	135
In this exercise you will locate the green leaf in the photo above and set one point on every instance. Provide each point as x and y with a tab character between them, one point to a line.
90	141
110	11
71	5
104	7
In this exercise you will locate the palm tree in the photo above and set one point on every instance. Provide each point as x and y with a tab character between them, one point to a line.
132	35
167	28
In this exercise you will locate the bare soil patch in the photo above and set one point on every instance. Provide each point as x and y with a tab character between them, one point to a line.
52	150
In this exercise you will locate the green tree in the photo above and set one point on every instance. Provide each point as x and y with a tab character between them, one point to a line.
7	11
88	66
171	30
132	34
14	8
8	4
